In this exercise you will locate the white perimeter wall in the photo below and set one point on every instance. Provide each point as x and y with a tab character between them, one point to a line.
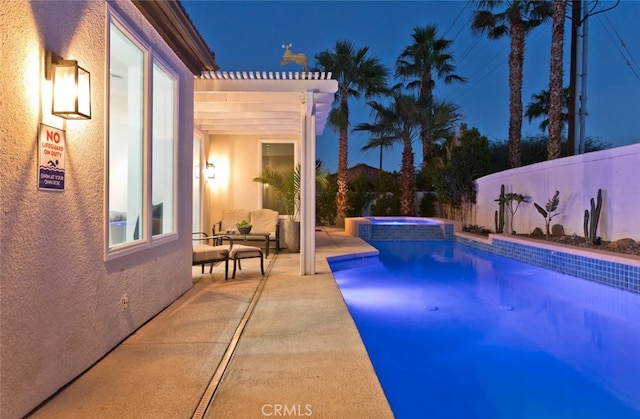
60	302
578	178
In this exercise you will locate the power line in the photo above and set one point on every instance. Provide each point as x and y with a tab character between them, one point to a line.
628	57
478	71
466	4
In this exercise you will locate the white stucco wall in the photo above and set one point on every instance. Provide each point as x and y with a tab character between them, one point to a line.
578	179
238	161
60	302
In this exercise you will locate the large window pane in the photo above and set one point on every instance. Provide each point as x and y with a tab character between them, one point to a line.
126	130
278	157
163	146
197	179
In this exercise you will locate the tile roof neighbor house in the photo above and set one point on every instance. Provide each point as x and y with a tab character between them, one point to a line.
111	109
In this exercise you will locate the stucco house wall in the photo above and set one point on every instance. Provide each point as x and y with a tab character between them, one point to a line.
62	306
578	179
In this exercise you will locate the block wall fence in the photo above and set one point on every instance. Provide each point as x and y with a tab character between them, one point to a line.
616	171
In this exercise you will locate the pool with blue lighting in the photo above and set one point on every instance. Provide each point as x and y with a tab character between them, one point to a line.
456	332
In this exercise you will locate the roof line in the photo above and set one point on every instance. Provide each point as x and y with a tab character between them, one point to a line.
172	22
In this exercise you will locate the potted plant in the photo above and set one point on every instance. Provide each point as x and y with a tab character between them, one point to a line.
287	187
244	227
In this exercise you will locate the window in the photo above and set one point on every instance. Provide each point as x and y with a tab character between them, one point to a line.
163	151
126	133
141	145
197	182
278	157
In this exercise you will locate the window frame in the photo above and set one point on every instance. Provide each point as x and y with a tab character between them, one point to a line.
150	58
173	234
261	143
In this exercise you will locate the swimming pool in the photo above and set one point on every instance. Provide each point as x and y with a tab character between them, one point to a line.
456	332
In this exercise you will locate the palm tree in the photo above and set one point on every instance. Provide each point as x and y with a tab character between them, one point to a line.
540	105
378	140
517	18
446	116
379	135
556	103
401	121
357	73
429	55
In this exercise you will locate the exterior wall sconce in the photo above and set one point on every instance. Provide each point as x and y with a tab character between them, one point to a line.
210	171
71	87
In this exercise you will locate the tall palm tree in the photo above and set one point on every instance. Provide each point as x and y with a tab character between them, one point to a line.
540	105
380	140
357	73
427	58
401	120
515	20
446	116
556	120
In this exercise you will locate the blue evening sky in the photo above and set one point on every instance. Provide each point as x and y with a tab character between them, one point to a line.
248	36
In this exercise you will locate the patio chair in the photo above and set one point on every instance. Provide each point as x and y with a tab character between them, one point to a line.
265	225
204	253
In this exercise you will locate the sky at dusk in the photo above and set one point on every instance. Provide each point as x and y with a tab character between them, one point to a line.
248	36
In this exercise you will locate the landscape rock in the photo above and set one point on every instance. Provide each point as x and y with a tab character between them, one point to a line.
557	230
537	232
622	245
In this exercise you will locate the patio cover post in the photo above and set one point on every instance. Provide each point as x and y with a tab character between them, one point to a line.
308	192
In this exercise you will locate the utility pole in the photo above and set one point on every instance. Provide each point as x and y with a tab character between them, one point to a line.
580	12
582	113
576	15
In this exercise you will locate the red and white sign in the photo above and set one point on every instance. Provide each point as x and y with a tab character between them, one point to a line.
51	156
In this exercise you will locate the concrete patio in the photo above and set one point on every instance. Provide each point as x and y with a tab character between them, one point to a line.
253	347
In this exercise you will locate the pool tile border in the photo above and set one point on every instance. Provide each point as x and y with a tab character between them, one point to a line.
602	267
403	232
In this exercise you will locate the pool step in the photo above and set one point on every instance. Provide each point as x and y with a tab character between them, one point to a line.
402	232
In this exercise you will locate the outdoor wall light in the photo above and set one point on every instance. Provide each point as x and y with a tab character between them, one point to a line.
71	87
210	171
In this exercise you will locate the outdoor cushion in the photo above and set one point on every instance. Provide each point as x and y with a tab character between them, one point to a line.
231	217
239	252
264	221
205	252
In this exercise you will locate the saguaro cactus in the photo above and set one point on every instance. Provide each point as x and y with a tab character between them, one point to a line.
499	214
591	220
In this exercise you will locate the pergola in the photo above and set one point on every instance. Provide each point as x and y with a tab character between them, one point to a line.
271	103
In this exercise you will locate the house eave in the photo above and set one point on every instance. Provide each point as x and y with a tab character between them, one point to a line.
174	25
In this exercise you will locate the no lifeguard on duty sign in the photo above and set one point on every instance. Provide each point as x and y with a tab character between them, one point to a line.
51	153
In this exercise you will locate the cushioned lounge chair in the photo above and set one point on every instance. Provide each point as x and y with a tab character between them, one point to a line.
208	249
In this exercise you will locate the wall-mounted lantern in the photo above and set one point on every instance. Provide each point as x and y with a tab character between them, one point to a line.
210	171
71	87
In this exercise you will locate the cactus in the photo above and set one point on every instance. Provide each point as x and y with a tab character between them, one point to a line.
499	215
591	220
586	225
